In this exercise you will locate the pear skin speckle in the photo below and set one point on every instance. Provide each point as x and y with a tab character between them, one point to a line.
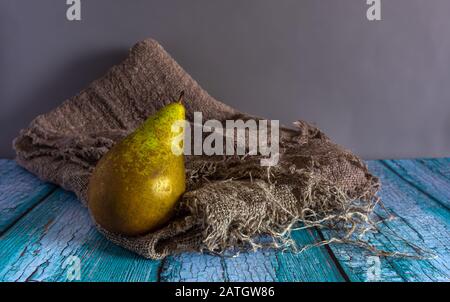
135	186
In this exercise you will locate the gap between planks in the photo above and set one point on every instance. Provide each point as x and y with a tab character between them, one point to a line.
26	212
333	257
413	184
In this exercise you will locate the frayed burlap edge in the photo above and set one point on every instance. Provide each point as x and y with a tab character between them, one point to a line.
321	205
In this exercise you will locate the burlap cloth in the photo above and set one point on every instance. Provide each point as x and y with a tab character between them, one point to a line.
230	200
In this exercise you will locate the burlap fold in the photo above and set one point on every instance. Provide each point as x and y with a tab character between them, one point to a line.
230	200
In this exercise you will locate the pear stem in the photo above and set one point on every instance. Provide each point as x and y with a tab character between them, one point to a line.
180	98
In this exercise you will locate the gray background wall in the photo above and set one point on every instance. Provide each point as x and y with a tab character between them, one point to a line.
380	88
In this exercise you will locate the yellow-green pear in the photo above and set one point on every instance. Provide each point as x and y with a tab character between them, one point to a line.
135	186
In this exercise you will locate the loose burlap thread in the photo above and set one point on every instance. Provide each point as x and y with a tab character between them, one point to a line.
230	200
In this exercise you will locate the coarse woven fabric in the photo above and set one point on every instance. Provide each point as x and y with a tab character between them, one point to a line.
229	200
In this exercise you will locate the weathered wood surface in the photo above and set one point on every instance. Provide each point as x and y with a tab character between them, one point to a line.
431	177
19	192
51	228
419	219
41	247
263	265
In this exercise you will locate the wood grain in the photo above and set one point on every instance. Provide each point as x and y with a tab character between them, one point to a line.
263	265
440	166
37	247
420	219
430	178
19	192
193	267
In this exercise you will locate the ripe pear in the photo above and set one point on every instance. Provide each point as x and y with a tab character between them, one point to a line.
135	186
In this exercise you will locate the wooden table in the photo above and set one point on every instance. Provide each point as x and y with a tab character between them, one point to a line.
44	230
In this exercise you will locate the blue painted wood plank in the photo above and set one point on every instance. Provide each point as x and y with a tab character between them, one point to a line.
264	265
440	166
193	267
19	192
42	246
420	219
428	177
312	265
36	247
